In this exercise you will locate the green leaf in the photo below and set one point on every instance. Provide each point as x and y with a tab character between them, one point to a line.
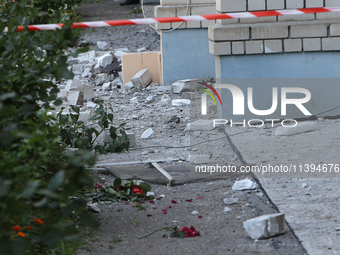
66	74
145	187
58	102
57	180
75	108
63	119
117	182
30	189
88	220
110	116
48	47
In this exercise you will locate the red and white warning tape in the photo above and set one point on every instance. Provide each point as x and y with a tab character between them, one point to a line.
234	15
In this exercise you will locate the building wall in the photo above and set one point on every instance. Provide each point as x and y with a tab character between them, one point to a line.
185	47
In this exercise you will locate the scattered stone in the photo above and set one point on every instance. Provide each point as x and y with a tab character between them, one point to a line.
134	100
101	78
304	185
90	104
147	133
87	56
73	84
104	61
188	95
230	201
141	49
174	119
149	99
227	209
75	97
87	90
119	52
102	46
164	88
93	207
77	69
180	102
194	213
301	127
244	185
205	125
199	159
62	94
150	194
185	85
106	86
266	226
165	100
85	116
142	79
129	86
197	133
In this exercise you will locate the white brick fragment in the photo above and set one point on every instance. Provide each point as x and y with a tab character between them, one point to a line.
102	45
101	78
180	102
147	133
266	226
142	79
75	98
231	201
244	185
106	86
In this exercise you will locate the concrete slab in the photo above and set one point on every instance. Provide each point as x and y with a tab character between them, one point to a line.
311	201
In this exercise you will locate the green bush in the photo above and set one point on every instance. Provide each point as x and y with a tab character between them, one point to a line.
39	178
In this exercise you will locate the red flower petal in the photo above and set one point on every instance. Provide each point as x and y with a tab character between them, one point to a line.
169	206
200	216
174	201
159	198
164	212
127	203
151	202
189	200
149	215
154	207
200	197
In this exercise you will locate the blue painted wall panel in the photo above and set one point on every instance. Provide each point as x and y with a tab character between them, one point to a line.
186	55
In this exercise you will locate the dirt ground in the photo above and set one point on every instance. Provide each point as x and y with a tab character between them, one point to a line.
122	224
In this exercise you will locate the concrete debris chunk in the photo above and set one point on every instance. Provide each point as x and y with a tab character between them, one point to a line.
62	94
75	97
199	159
188	95
119	52
104	60
147	133
204	125
266	226
150	194
93	207
90	104
244	185
102	46
180	102
85	116
134	100
106	86
194	213
149	99
141	49
231	201
72	84
142	79
164	101
106	138
87	56
129	86
87	90
186	85
164	88
227	209
86	72
77	69
301	127
101	78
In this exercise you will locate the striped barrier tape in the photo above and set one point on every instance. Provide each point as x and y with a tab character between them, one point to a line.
234	15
